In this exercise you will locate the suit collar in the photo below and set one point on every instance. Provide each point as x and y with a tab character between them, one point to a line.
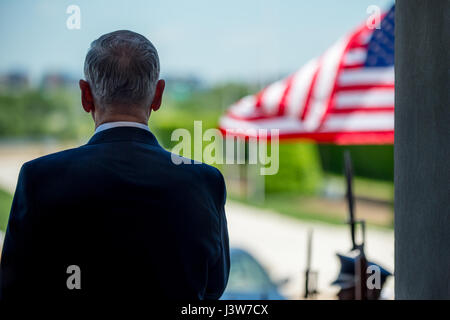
124	134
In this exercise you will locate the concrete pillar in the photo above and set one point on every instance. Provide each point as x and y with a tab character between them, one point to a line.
422	149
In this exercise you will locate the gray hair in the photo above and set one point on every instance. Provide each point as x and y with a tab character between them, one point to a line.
122	67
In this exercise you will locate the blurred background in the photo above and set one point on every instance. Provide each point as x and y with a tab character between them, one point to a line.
212	54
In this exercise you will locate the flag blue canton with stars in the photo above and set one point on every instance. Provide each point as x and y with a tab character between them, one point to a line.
380	50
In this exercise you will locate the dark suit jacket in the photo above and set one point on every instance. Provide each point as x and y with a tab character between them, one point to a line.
136	224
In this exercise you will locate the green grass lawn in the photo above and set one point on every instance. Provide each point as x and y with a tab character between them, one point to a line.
5	206
305	208
284	204
317	208
367	188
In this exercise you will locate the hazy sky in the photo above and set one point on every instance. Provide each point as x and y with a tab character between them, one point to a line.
215	40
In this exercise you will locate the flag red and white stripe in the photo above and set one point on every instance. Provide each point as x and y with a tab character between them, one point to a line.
336	98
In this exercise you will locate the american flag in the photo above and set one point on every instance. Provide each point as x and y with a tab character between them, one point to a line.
346	96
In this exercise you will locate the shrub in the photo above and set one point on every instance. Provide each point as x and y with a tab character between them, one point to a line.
299	170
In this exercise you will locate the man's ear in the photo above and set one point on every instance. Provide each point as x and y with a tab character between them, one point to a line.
87	99
157	99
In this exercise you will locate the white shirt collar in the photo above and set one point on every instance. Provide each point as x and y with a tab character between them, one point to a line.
109	125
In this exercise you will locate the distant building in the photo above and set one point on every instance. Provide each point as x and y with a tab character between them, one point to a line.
14	80
53	80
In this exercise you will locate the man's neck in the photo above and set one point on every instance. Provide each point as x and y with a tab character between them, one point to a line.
121	118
